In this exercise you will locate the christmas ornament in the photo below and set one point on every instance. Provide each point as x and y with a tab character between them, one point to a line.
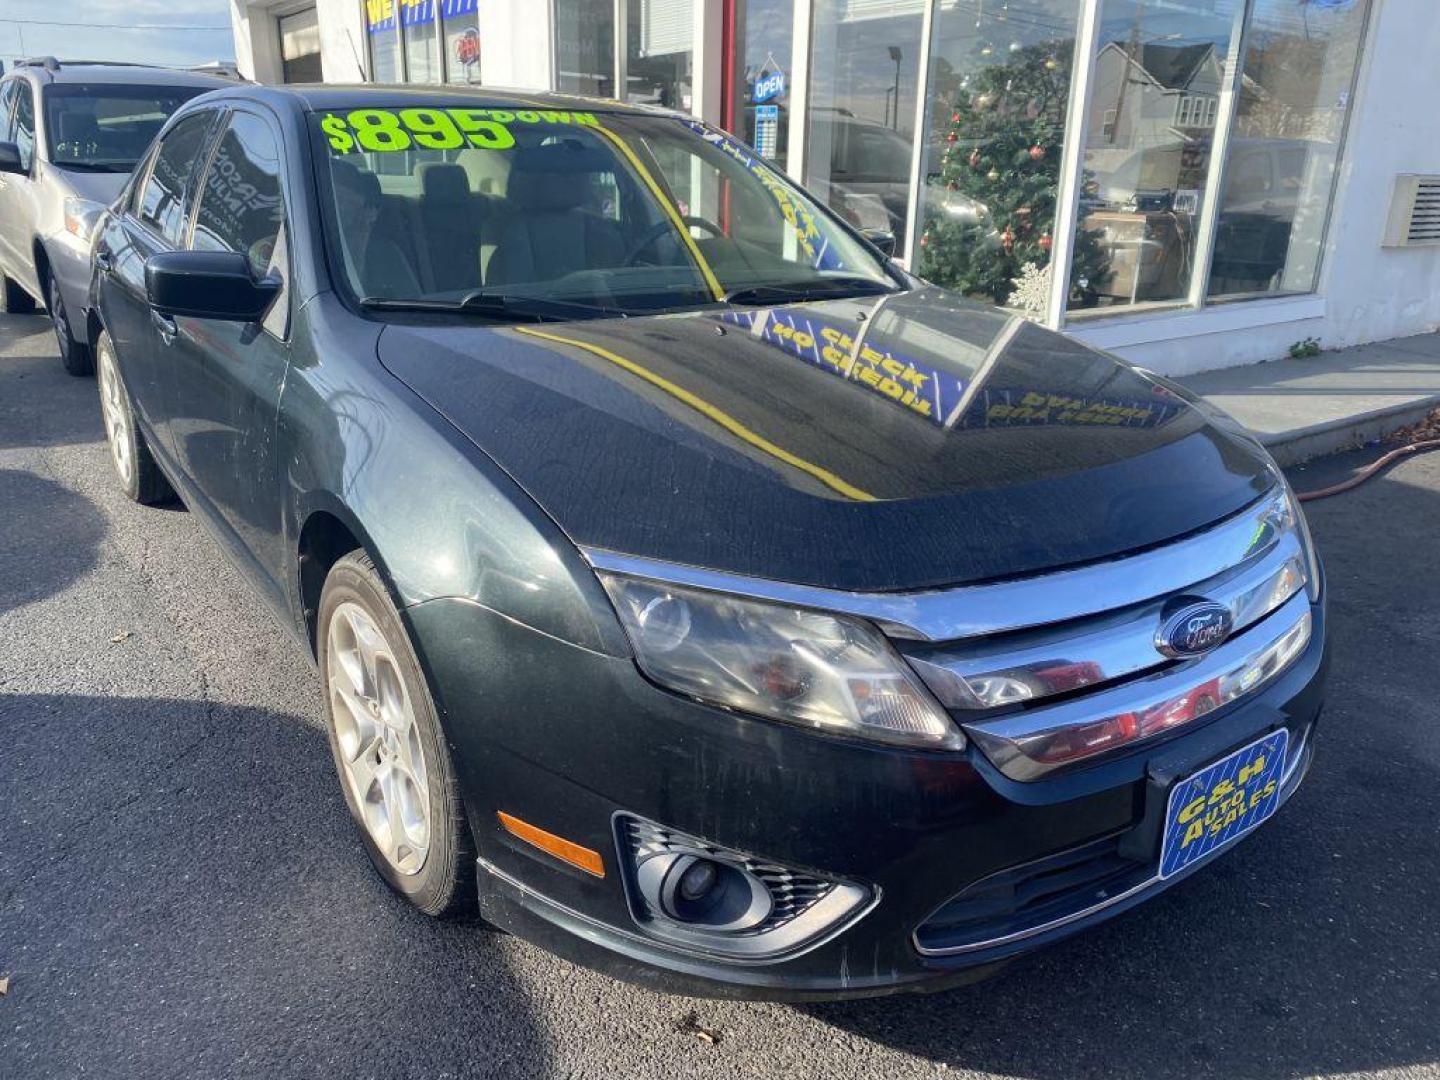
1007	239
954	118
1051	63
951	137
984	101
1016	46
1046	242
993	175
974	159
1037	152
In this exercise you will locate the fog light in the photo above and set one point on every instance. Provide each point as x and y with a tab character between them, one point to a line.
706	898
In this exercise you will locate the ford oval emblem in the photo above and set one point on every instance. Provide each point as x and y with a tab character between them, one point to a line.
1194	629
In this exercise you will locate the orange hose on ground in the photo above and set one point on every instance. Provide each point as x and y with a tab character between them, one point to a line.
1369	471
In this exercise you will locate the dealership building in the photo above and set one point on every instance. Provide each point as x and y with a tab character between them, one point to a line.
1190	183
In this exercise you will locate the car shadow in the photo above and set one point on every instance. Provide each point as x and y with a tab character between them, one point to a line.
1314	948
42	553
41	405
184	895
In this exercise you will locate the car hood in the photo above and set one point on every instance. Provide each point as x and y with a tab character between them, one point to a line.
97	187
905	442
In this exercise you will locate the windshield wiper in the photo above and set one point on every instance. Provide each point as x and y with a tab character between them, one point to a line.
828	288
493	306
95	166
539	307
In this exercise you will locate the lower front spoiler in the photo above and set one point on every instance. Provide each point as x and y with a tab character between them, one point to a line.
511	906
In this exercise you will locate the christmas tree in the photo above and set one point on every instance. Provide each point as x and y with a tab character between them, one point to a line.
988	227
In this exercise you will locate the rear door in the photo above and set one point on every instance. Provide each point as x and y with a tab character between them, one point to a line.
224	378
153	220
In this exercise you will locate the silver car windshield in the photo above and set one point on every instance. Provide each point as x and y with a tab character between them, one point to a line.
102	128
592	212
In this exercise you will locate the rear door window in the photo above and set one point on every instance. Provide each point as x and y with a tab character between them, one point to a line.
8	91
162	199
24	137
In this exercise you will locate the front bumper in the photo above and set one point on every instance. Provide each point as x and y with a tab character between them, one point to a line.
70	266
568	753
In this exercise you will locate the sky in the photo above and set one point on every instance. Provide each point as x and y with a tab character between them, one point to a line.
141	31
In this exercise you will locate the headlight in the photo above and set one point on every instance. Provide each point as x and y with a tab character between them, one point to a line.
1302	530
81	216
804	667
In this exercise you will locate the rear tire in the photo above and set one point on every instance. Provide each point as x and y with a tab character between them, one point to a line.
15	300
390	753
140	478
73	354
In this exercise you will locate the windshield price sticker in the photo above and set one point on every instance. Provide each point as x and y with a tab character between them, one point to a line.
392	130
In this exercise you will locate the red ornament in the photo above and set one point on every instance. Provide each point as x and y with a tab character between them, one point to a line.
974	159
1037	152
951	137
954	118
1045	242
1007	239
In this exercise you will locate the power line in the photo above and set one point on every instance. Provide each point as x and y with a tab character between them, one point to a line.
112	26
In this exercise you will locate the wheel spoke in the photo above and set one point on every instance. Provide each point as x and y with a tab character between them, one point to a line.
365	766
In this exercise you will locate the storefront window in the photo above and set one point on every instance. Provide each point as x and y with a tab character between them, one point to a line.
864	65
764	30
659	52
300	47
1154	101
460	28
999	89
422	54
1285	145
383	29
585	47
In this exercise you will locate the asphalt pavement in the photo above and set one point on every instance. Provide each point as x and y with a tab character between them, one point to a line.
181	893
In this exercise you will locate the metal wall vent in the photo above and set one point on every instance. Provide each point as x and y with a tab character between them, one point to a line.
1414	212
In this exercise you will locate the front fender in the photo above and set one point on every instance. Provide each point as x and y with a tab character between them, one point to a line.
437	515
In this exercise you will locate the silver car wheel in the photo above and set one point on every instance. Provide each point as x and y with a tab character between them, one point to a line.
380	750
57	314
117	416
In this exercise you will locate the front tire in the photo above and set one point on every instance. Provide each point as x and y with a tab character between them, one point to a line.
73	354
140	478
390	752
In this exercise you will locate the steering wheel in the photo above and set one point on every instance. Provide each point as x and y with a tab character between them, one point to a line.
660	228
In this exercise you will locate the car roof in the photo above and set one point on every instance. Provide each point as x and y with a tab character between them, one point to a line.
316	97
86	71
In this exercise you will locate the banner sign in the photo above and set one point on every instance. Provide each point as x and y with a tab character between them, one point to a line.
914	385
801	221
1036	408
380	15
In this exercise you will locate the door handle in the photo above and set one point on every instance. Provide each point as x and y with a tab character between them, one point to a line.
105	261
166	325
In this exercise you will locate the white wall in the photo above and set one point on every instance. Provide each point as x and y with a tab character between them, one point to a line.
342	41
515	44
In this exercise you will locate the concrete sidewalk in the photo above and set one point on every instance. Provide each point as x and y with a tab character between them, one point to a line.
1304	408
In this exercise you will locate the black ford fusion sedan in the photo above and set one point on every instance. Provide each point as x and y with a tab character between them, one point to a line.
713	602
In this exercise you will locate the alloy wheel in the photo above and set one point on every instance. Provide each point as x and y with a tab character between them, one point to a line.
381	754
57	315
117	416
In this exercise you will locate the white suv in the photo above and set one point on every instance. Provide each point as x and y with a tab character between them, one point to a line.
69	136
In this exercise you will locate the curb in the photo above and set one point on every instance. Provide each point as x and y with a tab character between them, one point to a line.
1301	444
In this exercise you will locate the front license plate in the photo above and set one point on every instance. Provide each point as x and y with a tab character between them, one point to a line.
1222	802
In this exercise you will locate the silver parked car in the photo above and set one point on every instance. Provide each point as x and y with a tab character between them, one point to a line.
70	134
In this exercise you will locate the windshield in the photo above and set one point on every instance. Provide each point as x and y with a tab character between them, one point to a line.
107	128
571	214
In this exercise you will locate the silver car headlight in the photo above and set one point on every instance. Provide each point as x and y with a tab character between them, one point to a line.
804	667
81	216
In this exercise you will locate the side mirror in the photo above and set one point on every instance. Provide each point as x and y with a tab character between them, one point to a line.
207	285
882	240
10	159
